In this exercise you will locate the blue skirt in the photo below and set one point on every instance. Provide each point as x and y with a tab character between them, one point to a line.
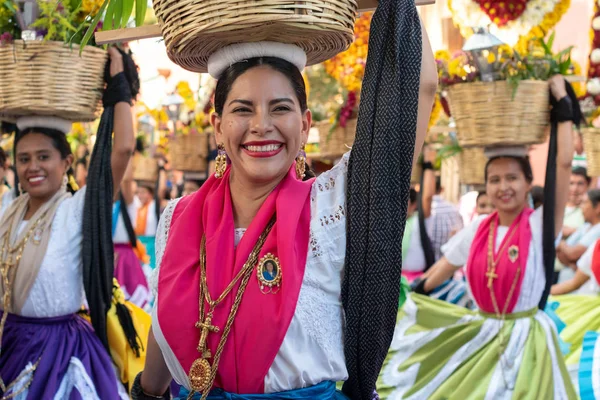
323	391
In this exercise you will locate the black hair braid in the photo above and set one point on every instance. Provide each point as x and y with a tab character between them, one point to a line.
97	251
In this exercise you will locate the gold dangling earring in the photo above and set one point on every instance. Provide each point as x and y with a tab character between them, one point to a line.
65	182
301	163
220	161
20	188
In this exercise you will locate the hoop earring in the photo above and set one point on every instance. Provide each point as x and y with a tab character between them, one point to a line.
301	163
220	161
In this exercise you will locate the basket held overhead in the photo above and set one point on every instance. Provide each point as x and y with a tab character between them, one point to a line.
193	30
51	79
487	114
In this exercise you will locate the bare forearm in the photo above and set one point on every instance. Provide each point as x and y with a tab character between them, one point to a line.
441	272
124	142
156	377
428	87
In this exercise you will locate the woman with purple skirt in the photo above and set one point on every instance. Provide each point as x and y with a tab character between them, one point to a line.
56	256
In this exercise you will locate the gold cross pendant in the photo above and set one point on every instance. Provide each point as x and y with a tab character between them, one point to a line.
491	275
201	369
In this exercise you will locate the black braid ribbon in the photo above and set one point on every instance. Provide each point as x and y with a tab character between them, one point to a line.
377	193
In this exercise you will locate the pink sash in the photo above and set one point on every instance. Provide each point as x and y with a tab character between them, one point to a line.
505	269
262	319
596	262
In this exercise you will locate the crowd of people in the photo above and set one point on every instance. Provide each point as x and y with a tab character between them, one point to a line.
263	281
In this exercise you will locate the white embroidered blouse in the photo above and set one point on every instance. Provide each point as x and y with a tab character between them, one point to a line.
58	288
313	349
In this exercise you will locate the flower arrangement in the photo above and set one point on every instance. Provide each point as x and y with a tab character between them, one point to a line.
593	83
509	64
349	67
70	21
515	22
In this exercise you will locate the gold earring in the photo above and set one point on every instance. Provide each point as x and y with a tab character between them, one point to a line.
220	161
301	163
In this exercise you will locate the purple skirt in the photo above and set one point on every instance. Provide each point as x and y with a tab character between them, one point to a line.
131	277
72	363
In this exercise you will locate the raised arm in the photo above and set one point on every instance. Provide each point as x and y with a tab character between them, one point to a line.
427	90
564	155
124	138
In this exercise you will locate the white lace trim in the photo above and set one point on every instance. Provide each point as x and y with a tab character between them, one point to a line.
162	235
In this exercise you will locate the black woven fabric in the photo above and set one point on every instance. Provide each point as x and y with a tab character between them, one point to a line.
377	193
557	115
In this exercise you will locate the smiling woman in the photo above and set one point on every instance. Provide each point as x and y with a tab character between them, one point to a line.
260	312
46	237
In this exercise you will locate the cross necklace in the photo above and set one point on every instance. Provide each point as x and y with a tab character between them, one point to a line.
202	373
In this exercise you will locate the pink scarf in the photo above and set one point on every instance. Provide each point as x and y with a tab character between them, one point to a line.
505	269
263	319
596	262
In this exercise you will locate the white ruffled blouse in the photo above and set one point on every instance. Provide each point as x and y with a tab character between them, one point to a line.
313	349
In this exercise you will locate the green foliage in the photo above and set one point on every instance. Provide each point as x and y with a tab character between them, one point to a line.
56	19
8	20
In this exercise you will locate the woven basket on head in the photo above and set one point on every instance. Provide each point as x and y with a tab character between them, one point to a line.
486	113
193	30
472	166
145	168
50	78
591	144
190	152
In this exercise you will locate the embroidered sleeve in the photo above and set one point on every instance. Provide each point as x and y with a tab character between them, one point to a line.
162	235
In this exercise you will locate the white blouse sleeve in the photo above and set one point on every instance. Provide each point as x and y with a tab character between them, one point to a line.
585	262
162	235
457	249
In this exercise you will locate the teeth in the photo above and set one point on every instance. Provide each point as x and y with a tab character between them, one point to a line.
266	148
36	179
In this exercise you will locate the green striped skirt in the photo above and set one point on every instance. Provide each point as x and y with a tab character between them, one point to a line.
443	351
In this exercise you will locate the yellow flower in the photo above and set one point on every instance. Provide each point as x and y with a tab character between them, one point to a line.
443	55
491	58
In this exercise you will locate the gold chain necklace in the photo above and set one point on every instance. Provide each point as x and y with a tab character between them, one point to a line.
8	261
491	274
202	374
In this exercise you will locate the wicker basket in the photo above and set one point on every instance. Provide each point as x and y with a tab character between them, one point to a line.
472	166
193	30
190	152
49	78
591	144
486	113
145	168
332	143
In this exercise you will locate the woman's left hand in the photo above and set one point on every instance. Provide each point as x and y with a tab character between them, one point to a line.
116	61
557	87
